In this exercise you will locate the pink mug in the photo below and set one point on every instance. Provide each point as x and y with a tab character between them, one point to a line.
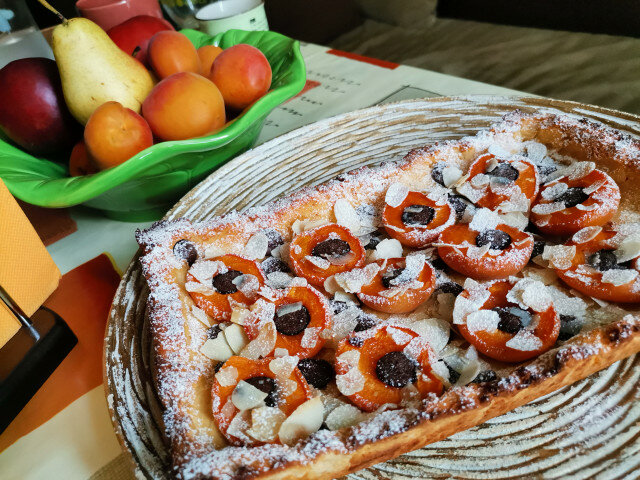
109	13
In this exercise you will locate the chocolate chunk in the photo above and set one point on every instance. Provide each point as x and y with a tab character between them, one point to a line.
214	331
572	197
569	327
604	260
274	240
373	242
267	385
451	287
497	239
418	215
438	264
390	275
333	247
505	170
355	341
538	248
485	376
273	264
459	204
292	323
365	322
223	282
396	369
436	172
317	372
512	319
454	375
186	250
531	228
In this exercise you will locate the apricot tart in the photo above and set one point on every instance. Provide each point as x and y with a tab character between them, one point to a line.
392	307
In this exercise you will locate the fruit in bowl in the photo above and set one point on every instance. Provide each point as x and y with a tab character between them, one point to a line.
94	70
32	109
243	75
172	52
184	105
135	33
144	185
114	134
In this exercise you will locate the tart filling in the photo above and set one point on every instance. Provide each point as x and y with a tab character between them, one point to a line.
435	284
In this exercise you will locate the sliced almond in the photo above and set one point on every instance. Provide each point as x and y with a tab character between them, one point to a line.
305	420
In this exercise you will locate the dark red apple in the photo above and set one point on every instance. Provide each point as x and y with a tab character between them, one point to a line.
136	32
32	109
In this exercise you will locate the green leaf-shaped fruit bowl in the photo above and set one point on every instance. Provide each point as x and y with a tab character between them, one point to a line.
146	185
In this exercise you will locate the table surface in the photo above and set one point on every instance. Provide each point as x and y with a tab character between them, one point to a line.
65	430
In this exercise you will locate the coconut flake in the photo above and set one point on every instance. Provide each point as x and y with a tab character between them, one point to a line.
227	376
554	191
579	170
265	423
263	344
548	208
216	349
352	281
483	320
587	234
201	316
283	366
344	416
305	420
310	337
536	151
387	248
236	338
435	331
288	308
524	341
450	175
559	256
351	382
245	396
321	263
396	193
347	216
484	219
239	425
279	280
619	277
628	249
257	246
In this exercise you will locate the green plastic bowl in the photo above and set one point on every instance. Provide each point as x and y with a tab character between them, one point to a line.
146	185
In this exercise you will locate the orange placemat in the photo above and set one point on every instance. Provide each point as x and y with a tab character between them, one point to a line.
82	299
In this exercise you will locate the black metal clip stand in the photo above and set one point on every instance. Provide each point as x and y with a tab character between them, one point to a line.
30	356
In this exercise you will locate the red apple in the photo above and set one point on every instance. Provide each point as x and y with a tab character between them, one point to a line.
136	32
32	109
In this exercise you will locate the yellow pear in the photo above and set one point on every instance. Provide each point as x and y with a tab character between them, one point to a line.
94	70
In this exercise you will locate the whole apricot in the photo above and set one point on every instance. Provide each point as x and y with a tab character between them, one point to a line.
207	55
243	75
114	134
80	161
172	52
184	105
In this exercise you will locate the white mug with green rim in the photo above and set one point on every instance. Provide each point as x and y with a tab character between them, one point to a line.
224	15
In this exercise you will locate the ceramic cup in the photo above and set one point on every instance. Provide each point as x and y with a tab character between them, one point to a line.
109	13
227	14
